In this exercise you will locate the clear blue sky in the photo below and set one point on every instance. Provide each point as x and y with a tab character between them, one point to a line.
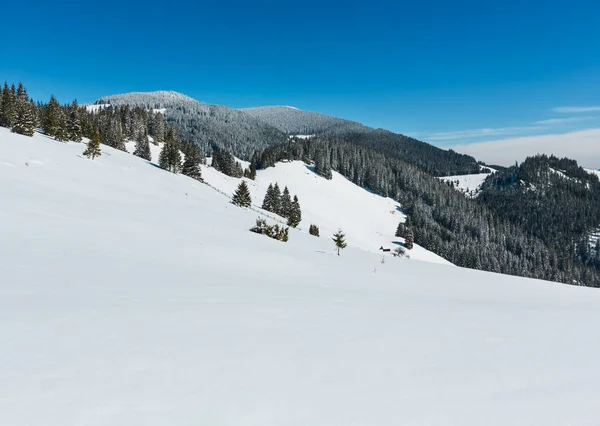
440	70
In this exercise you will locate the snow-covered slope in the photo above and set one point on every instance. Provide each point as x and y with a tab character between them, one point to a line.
368	220
469	184
134	297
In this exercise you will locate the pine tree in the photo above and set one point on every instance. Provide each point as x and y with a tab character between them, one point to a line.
93	148
170	157
74	123
313	230
142	147
8	107
52	117
276	201
25	114
400	230
191	164
340	241
295	216
409	240
62	131
286	203
241	197
268	201
158	128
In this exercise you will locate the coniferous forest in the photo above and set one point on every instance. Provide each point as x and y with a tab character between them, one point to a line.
532	219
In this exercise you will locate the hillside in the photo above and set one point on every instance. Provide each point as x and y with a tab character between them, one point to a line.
207	125
132	296
553	198
294	121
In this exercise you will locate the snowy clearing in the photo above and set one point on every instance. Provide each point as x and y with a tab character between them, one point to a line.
468	184
134	297
368	220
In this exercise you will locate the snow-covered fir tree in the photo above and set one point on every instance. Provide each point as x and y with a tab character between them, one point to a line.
25	113
142	147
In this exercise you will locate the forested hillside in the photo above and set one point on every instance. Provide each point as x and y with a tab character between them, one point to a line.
552	198
429	158
464	231
294	121
209	126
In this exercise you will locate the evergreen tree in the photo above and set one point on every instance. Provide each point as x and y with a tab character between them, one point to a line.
25	114
191	164
158	128
313	230
241	197
142	147
268	201
409	240
8	107
340	241
276	201
170	157
93	148
400	230
62	131
286	203
74	123
51	120
295	215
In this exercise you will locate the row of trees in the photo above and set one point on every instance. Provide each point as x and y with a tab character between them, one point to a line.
281	203
17	111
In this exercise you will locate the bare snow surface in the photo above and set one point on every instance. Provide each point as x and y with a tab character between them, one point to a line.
131	296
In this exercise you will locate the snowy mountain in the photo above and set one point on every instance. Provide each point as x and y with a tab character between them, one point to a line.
294	121
207	125
133	296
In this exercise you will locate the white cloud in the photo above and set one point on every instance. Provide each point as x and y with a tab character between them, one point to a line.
575	109
564	120
583	146
461	134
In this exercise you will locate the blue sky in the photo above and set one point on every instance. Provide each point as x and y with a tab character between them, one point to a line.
447	72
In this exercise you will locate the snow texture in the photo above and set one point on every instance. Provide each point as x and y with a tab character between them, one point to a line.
131	296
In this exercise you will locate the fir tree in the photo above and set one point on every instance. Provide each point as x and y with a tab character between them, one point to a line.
93	148
409	240
191	164
51	120
268	201
340	241
400	230
158	128
62	132
25	114
170	157
276	201
8	107
241	197
74	123
142	147
295	215
286	203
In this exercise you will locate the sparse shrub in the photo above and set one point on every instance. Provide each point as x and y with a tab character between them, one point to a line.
313	230
276	232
